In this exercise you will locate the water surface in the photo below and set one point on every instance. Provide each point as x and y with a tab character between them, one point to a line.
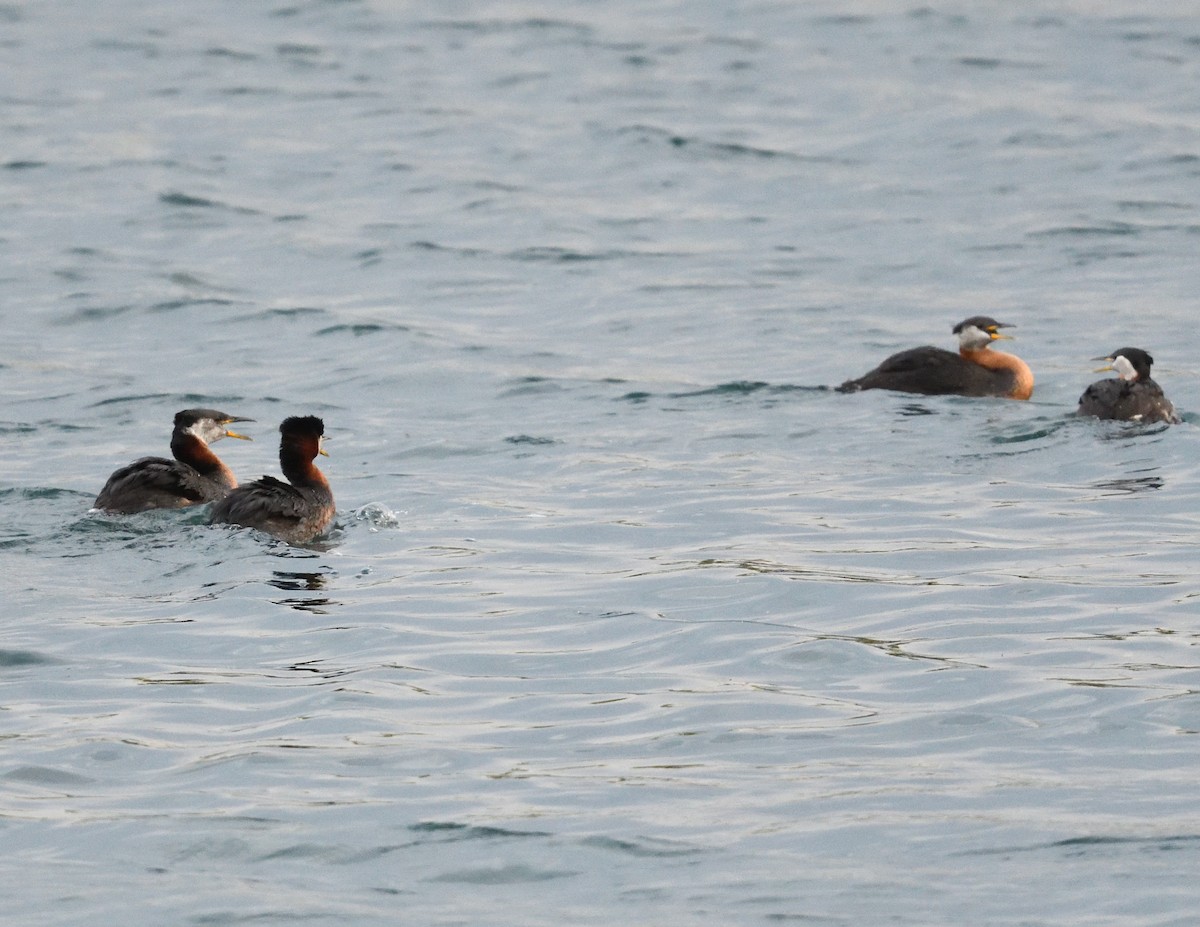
627	616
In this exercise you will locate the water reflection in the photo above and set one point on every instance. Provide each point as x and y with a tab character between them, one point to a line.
897	648
915	408
1131	484
1035	430
303	582
771	568
740	388
737	388
1129	432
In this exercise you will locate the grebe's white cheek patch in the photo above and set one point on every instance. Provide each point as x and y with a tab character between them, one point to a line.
206	430
972	337
1123	368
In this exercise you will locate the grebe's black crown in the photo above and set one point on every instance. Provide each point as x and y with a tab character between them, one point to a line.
308	425
189	417
987	323
1136	356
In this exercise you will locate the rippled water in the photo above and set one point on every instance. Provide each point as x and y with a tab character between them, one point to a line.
627	618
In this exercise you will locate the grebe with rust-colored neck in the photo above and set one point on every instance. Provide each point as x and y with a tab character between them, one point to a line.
297	511
973	371
1131	396
195	476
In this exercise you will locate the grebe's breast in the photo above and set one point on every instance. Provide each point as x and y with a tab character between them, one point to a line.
1013	378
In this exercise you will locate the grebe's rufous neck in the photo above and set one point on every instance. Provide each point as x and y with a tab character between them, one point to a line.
973	371
196	475
1132	396
297	511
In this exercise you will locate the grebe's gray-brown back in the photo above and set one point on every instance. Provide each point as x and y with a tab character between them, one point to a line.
196	475
973	371
296	511
1132	395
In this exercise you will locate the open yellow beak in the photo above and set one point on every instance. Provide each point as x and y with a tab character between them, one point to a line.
234	434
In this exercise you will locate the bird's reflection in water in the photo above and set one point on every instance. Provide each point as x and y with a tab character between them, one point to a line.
303	582
915	408
1131	484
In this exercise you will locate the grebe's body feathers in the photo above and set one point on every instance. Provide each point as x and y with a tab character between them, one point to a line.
297	511
195	476
158	483
973	371
934	372
1131	396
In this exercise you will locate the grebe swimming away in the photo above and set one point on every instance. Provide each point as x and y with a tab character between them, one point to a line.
973	371
1133	396
196	474
297	511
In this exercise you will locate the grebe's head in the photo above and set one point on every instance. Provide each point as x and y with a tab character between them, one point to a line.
305	431
1128	363
208	425
979	331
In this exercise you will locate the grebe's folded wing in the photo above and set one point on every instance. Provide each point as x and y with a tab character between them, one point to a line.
264	499
919	359
149	475
286	500
920	370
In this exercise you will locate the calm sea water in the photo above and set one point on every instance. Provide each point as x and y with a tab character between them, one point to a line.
627	618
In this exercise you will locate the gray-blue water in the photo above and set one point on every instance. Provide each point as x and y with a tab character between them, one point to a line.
625	620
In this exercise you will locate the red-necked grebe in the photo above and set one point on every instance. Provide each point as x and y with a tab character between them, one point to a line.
196	475
1132	396
973	371
297	511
